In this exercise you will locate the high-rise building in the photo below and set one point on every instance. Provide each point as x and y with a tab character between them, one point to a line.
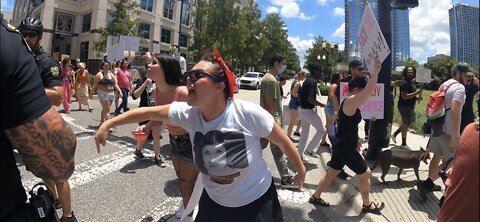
400	47
464	33
71	27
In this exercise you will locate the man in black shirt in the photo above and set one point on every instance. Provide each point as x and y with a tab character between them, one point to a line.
308	101
25	106
406	103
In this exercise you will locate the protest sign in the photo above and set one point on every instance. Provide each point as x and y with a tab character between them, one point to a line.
130	43
371	40
423	75
115	53
373	108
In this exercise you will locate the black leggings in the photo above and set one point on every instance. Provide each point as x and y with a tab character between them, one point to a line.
345	153
264	209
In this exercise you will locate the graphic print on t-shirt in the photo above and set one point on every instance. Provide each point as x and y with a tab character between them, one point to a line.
220	155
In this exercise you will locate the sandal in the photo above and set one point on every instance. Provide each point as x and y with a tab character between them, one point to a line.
318	201
378	207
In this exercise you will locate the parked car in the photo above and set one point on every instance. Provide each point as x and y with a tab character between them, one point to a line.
251	79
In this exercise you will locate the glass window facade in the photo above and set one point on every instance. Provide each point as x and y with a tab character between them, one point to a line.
146	5
183	40
84	50
86	21
168	7
464	33
165	36
144	30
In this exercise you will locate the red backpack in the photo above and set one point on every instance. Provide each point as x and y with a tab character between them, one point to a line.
436	109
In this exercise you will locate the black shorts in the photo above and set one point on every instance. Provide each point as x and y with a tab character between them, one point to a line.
407	114
345	153
264	209
181	146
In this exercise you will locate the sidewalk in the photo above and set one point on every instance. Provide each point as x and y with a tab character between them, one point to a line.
401	198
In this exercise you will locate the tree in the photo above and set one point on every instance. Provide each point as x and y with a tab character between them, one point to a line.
441	69
326	54
125	22
411	63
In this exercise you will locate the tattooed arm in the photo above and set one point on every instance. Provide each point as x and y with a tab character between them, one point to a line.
46	145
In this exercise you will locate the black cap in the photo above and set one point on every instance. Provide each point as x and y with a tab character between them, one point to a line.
354	63
462	67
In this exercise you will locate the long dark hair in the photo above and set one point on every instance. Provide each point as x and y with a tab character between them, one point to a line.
171	69
335	78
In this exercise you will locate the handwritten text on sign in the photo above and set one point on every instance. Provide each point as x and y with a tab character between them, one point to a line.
373	108
371	40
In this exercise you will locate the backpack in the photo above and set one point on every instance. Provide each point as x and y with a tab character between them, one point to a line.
436	111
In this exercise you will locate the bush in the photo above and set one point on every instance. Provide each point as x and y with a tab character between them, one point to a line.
323	90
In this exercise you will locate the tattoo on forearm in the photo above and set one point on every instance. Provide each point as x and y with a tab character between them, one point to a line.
46	144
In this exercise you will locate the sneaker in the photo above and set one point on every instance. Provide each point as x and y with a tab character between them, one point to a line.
139	154
296	134
394	138
69	219
159	161
180	211
312	154
288	183
58	205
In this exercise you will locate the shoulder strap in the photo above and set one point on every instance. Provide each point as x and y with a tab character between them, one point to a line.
446	89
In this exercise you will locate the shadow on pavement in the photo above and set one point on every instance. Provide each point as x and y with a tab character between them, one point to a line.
137	165
430	206
172	188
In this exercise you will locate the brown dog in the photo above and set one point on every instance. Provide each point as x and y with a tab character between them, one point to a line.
403	159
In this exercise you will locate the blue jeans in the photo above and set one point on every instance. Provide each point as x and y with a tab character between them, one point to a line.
124	104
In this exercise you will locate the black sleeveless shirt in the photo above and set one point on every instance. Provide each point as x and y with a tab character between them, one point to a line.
347	128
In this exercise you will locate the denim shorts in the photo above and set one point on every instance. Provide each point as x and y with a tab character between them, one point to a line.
329	110
105	95
293	104
181	146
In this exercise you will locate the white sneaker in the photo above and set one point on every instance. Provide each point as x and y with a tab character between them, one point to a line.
394	138
180	211
187	219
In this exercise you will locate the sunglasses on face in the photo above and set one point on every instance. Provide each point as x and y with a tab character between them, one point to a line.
29	34
195	75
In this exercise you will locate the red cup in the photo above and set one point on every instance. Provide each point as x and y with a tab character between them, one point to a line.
139	135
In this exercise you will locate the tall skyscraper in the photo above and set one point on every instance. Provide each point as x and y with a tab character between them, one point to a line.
464	33
400	47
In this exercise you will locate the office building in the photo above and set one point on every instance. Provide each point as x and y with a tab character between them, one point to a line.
400	47
464	33
71	26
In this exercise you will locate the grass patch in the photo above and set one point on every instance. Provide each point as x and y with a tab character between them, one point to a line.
419	111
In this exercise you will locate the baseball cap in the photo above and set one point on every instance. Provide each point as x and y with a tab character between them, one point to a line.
469	74
354	63
462	67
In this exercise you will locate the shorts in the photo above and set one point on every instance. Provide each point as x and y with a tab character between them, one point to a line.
181	146
440	145
407	114
293	104
329	111
345	153
264	209
105	95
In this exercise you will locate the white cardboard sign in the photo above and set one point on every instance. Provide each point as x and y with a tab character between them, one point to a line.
130	43
423	75
371	40
373	108
115	53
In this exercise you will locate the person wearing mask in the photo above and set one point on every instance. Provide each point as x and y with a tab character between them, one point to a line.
308	113
225	134
32	31
28	107
346	152
444	140
471	90
293	106
271	100
406	104
124	79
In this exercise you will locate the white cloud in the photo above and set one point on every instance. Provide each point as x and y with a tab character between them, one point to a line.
301	45
310	35
288	9
271	9
340	31
324	2
429	29
339	11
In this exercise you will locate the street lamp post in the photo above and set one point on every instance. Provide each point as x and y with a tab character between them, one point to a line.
180	25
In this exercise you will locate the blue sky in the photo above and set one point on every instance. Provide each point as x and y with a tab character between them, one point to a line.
305	19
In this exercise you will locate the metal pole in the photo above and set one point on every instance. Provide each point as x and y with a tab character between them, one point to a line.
380	129
180	25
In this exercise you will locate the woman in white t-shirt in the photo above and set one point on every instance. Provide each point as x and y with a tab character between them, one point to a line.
225	134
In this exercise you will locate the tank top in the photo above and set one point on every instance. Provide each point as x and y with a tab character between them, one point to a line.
106	82
347	128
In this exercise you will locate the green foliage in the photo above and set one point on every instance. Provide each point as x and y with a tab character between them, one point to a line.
239	34
411	63
441	69
125	22
321	48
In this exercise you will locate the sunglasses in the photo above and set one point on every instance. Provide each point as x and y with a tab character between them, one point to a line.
29	34
195	75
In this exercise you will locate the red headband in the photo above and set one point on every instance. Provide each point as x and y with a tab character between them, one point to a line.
232	85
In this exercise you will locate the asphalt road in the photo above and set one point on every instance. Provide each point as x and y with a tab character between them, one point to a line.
114	186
